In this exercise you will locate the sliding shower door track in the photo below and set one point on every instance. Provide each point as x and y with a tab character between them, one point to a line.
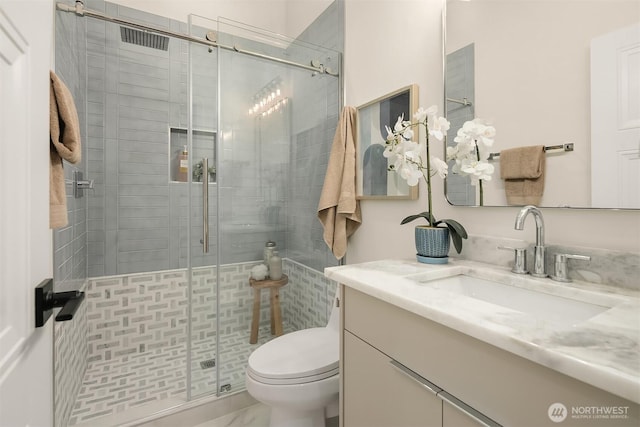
80	10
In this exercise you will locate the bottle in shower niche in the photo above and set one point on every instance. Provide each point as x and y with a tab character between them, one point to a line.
183	165
275	266
269	247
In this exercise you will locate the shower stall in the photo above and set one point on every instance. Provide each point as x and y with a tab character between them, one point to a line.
201	142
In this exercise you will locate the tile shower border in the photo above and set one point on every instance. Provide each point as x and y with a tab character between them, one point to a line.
134	313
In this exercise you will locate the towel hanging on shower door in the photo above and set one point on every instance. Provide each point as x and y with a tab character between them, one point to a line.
338	209
64	132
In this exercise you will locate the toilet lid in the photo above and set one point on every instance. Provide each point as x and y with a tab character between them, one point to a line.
298	357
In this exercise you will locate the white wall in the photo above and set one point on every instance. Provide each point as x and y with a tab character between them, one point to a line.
301	13
392	43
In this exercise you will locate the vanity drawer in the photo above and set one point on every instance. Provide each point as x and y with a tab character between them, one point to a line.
503	386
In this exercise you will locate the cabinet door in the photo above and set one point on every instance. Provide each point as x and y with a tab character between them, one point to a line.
376	394
454	417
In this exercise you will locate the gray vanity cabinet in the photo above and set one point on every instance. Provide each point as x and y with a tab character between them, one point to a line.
379	391
453	417
377	395
400	369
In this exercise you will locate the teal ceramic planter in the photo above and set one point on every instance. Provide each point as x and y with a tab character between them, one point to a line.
432	242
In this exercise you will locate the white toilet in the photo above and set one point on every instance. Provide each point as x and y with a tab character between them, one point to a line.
297	375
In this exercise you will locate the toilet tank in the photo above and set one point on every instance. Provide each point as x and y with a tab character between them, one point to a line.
334	317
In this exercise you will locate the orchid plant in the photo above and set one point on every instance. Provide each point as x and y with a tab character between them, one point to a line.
406	158
470	155
471	152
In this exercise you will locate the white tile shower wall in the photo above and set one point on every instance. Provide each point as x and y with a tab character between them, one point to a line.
309	299
135	313
70	363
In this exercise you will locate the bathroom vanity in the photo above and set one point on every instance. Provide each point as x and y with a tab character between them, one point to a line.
418	348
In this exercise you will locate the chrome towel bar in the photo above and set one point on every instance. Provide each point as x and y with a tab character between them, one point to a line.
567	146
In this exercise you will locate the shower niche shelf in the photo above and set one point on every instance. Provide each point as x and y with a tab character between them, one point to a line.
204	145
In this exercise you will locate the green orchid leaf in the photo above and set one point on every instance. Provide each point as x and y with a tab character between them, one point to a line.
456	226
455	238
457	233
424	215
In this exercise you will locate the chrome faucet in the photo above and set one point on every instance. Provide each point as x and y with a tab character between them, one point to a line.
538	249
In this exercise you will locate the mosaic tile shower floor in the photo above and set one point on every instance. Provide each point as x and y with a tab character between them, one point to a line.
131	381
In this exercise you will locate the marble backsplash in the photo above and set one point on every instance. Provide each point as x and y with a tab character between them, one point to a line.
614	268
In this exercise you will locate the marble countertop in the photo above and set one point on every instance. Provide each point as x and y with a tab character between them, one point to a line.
603	350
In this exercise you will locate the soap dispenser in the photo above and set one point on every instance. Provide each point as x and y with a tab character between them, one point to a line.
275	266
183	166
269	247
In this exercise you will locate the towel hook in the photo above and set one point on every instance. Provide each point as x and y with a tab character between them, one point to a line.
80	184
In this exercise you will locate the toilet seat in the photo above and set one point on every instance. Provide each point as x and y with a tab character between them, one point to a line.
296	358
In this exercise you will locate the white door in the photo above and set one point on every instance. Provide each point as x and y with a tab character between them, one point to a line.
26	353
615	119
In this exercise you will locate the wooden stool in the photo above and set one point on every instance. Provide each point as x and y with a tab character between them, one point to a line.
276	314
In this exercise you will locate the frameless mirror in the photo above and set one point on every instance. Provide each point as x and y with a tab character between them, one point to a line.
551	73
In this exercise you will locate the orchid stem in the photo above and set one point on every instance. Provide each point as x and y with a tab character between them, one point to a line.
480	181
428	177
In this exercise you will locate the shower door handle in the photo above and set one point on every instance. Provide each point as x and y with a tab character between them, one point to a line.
205	205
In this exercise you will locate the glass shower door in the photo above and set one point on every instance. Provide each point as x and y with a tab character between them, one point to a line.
265	128
276	126
136	301
202	244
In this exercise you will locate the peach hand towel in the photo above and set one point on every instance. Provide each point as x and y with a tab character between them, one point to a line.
338	209
522	170
64	132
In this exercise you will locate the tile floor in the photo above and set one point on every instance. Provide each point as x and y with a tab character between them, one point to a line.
131	381
253	416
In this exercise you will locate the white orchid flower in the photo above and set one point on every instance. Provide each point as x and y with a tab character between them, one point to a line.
440	167
421	115
465	148
402	128
462	136
452	152
390	135
407	134
478	131
456	167
411	173
404	155
487	135
438	127
472	150
399	126
477	170
432	111
472	140
389	151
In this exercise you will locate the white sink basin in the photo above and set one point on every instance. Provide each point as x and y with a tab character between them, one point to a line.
541	305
